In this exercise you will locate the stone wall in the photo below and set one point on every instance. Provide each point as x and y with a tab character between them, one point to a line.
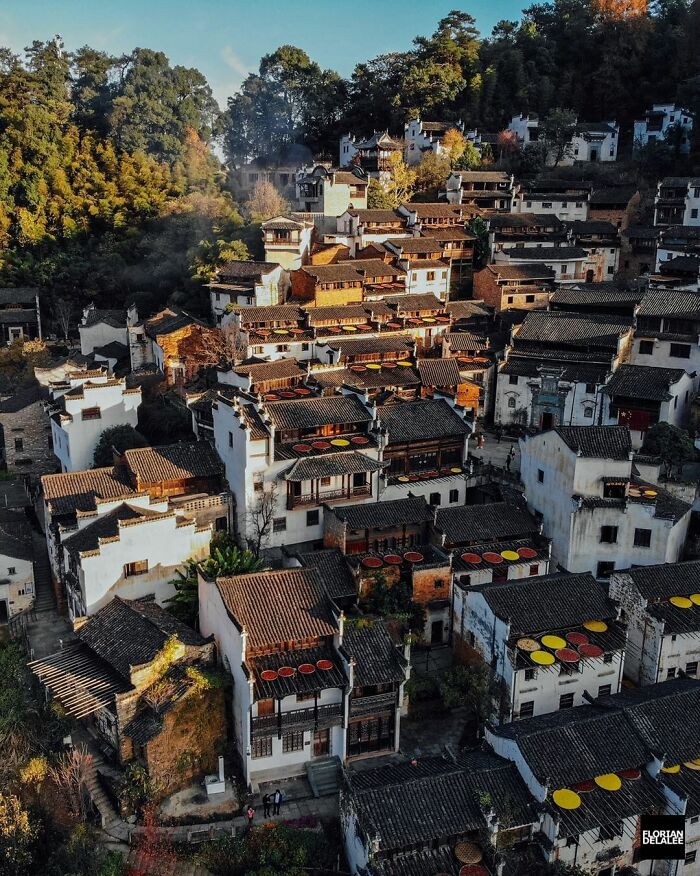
31	426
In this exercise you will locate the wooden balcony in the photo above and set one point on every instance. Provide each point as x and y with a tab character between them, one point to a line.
372	705
318	498
297	719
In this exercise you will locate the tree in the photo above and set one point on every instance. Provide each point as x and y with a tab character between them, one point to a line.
432	173
557	128
260	517
119	438
377	198
63	315
454	142
400	185
71	774
17	836
471	686
265	202
479	228
470	157
672	445
226	559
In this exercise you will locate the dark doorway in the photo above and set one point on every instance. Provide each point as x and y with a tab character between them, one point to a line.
547	421
589	276
4	614
436	633
594	154
322	743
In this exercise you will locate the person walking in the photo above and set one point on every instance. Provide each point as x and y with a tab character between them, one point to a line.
250	812
277	802
266	805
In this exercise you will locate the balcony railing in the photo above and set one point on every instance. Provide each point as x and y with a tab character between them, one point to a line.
328	496
298	719
372	705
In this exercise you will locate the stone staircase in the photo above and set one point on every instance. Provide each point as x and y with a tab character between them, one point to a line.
111	822
324	776
44	596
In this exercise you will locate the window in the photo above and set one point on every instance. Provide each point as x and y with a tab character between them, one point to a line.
527	709
19	444
588	412
258	486
325	482
312	517
530	674
646	348
430	276
642	537
534	569
140	567
293	741
671	673
262	747
454	495
605	569
680	351
529	299
511	402
605	690
546	205
565	203
540	476
435	498
607	658
590	388
691	668
230	439
563	269
529	204
12	570
611	269
91	414
579	203
566	701
608	534
694	213
513	379
279	524
690	857
510	299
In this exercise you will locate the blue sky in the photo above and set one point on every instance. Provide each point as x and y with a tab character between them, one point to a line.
225	40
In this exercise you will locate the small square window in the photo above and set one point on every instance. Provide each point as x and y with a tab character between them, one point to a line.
691	669
510	299
19	444
454	496
140	567
529	299
11	570
608	534
607	658
262	747
605	690
588	412
605	569
671	673
566	701
679	351
527	709
642	538
312	517
534	569
530	674
540	476
513	379
430	276
279	524
691	857
646	348
590	389
293	741
325	482
435	498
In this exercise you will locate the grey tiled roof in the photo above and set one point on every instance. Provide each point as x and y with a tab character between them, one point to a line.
666	580
596	293
546	253
521	272
359	346
562	327
18	295
173	462
129	633
548	602
424	419
15	535
466	341
243	270
410	806
377	661
597	442
331	465
310	413
414	302
670	302
471	524
643	381
376	515
438	372
333	571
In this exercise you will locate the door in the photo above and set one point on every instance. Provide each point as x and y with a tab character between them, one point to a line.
4	615
436	632
589	276
547	421
594	154
322	743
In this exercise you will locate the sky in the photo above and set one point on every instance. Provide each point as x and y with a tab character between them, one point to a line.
225	40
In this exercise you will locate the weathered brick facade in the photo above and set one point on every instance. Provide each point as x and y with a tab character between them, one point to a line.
26	434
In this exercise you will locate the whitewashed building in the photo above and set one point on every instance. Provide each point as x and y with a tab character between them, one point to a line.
262	284
634	744
566	206
300	691
601	516
16	564
98	328
567	262
662	120
421	137
677	201
667	333
83	412
507	622
590	142
663	620
130	550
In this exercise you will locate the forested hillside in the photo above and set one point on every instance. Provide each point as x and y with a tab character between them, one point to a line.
110	188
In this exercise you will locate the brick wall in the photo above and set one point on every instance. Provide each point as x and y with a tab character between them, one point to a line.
431	583
487	289
32	426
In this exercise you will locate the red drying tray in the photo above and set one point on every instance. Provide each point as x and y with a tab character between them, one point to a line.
567	655
576	638
589	650
359	439
527	553
321	445
471	558
393	559
631	775
490	557
413	557
307	668
286	671
584	787
268	675
372	563
325	665
302	448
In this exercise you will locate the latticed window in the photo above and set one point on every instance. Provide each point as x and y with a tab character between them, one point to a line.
262	747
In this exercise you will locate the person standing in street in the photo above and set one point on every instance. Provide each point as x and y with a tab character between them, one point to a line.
266	805
250	812
277	802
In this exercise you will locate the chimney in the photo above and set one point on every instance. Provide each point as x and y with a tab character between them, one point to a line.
221	769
